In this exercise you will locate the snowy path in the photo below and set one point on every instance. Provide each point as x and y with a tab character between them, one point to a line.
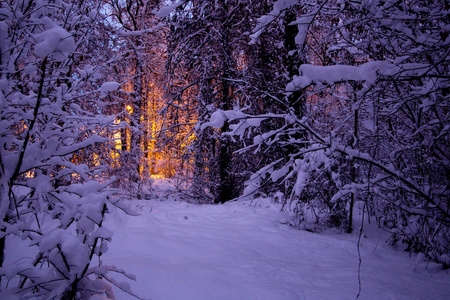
241	251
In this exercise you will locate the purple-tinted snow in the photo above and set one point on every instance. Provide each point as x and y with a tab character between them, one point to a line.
243	250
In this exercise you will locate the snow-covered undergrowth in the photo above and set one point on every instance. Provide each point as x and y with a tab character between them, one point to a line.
244	250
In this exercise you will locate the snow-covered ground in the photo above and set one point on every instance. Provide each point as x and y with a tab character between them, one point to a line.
243	250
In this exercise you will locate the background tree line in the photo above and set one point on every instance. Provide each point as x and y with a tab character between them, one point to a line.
325	105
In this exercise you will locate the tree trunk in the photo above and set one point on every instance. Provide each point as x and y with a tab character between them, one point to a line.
225	192
292	62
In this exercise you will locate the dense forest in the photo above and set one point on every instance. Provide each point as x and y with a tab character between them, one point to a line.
325	106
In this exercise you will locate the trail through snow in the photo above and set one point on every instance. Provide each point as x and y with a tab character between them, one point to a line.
242	250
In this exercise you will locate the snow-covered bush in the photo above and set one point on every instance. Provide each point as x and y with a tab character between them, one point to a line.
53	185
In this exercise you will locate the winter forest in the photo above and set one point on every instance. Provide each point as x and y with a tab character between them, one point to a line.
332	114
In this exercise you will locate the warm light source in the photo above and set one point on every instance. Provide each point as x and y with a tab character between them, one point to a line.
129	109
157	176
